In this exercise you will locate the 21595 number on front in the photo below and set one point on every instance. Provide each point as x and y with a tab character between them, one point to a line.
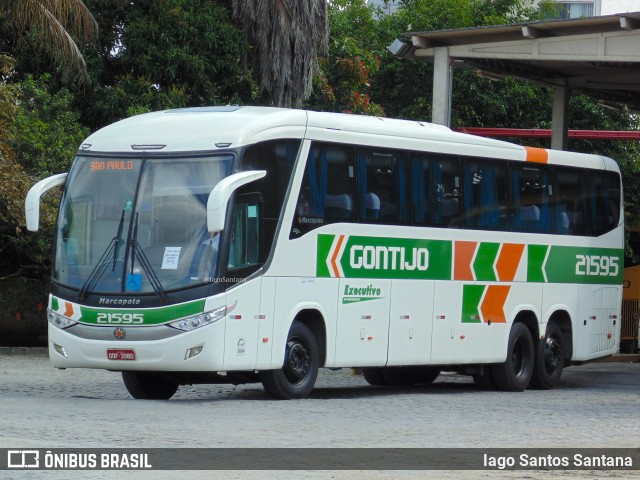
120	318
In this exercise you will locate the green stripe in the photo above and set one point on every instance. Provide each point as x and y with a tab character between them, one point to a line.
382	257
471	296
585	265
324	247
536	254
152	316
485	258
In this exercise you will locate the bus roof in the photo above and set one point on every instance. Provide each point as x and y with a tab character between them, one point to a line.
213	128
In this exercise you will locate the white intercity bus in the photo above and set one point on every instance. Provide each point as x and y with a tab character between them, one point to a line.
247	244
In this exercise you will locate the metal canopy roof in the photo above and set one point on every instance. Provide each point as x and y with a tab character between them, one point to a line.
597	56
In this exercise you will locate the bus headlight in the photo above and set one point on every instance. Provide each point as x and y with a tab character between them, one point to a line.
202	319
58	320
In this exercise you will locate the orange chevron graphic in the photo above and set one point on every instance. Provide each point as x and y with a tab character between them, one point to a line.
334	257
508	261
463	256
492	306
68	309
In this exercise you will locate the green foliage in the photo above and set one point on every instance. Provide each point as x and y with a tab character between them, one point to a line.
18	250
46	131
342	85
172	53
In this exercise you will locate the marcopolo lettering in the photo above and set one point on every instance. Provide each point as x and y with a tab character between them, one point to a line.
380	257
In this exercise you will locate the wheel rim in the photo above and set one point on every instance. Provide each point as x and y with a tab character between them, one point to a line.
519	359
298	362
552	354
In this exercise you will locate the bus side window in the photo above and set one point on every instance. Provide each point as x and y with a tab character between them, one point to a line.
605	201
570	195
531	191
485	194
383	186
245	241
327	193
435	189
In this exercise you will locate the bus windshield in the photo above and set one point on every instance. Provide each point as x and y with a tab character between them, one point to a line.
137	225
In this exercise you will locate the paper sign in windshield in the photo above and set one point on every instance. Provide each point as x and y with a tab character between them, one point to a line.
170	258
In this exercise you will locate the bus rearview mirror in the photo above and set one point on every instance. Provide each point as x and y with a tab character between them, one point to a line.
221	193
32	202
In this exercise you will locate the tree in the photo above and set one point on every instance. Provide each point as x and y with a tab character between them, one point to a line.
55	23
287	37
159	54
42	133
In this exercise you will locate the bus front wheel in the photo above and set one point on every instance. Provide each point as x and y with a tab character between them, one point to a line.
298	374
149	386
515	373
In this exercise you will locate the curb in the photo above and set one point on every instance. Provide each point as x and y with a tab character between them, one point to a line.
623	358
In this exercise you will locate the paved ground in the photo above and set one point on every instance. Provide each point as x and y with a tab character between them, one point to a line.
595	406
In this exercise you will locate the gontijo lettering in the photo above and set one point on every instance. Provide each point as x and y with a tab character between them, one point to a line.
385	258
352	256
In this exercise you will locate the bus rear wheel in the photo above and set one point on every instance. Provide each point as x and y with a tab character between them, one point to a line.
298	374
549	359
149	386
484	380
515	373
374	376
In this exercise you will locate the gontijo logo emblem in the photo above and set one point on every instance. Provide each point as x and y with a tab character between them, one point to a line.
350	256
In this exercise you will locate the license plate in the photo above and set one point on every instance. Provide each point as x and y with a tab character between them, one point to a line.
121	354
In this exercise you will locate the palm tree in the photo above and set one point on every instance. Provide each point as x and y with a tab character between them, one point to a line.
287	36
55	21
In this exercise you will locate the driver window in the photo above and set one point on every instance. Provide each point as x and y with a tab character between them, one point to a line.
244	242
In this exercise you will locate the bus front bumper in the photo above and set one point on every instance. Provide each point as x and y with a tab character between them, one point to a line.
201	349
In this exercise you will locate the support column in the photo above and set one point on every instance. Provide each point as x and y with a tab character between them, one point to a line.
441	104
559	118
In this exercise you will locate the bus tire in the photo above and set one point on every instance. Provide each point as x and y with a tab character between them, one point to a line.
427	375
549	359
149	386
399	376
374	376
484	380
299	371
515	373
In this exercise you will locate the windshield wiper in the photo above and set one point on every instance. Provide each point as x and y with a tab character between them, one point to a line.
112	249
134	247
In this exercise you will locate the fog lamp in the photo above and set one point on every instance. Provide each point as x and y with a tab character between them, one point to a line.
193	351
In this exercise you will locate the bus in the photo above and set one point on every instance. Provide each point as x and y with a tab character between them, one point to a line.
631	295
254	244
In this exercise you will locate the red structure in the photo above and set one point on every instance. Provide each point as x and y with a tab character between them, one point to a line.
546	133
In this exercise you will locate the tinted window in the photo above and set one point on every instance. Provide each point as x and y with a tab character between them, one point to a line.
485	192
327	193
530	194
383	186
605	201
435	189
570	201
